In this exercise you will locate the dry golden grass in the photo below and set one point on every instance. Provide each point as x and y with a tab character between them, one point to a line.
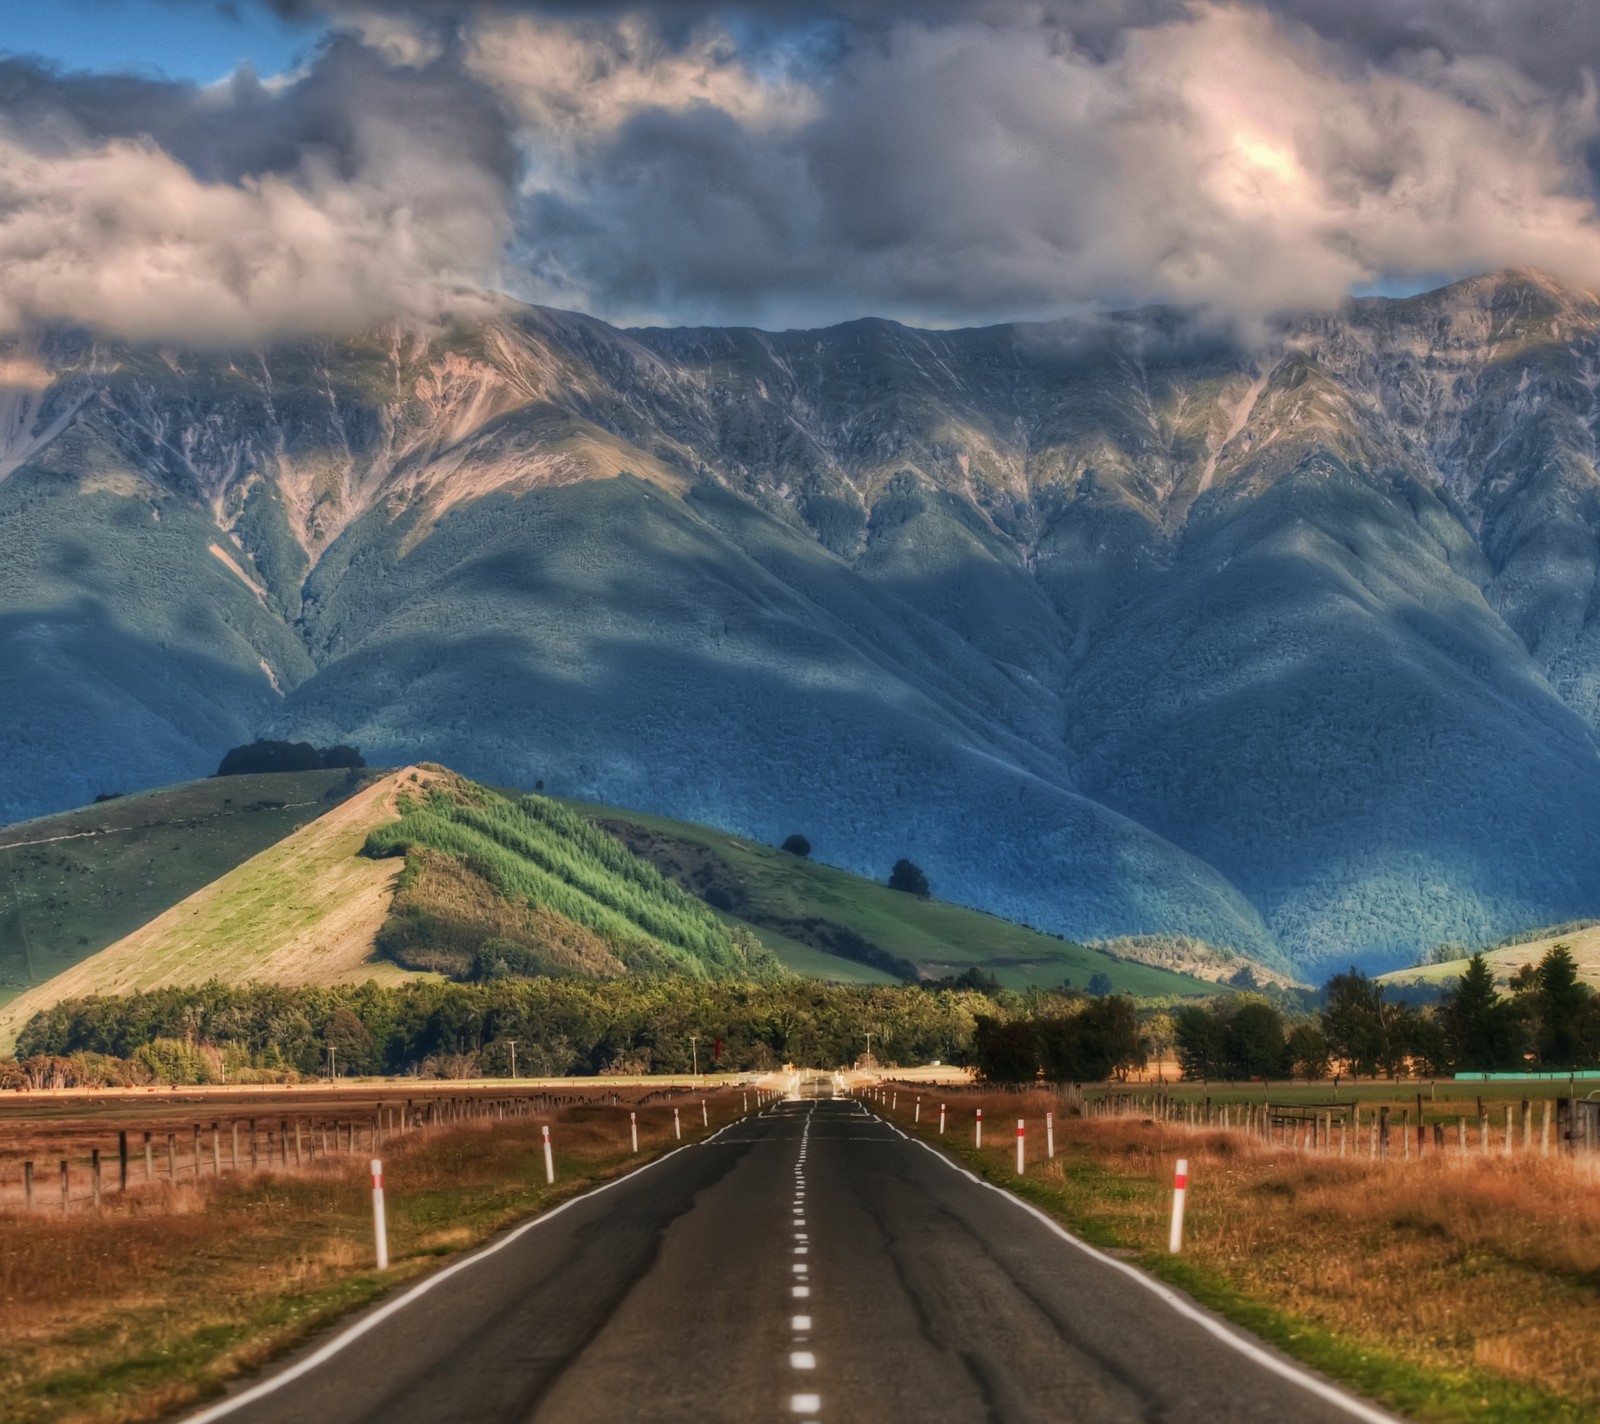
125	1314
1450	1264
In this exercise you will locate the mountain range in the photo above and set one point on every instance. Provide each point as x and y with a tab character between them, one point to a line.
1116	626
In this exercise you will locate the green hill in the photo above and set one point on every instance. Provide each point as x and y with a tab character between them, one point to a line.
1506	959
830	924
74	883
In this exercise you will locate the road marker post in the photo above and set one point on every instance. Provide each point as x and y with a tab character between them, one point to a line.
894	1103
380	1223
549	1161
1050	1136
1021	1129
1180	1190
977	1140
677	1126
941	1119
918	1117
704	1120
633	1128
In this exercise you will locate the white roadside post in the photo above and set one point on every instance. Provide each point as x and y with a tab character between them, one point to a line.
677	1126
1180	1190
1020	1160
704	1120
894	1103
941	1119
633	1128
977	1140
380	1224
549	1161
918	1117
744	1102
1050	1136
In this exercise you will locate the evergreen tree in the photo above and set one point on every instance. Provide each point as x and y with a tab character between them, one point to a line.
1565	1032
1354	1023
1477	1022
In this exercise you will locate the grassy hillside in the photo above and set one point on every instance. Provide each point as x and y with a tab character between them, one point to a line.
1507	959
306	910
74	883
531	851
833	925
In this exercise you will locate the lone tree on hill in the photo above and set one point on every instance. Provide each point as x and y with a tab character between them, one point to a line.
908	876
287	756
797	845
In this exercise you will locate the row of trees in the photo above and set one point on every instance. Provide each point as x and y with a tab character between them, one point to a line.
562	1026
1550	1021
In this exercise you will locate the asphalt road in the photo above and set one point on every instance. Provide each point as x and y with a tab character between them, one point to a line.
810	1263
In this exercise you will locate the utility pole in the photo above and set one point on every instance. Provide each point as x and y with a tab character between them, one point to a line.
513	1044
694	1050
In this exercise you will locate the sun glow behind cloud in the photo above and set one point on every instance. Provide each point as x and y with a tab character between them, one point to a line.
942	165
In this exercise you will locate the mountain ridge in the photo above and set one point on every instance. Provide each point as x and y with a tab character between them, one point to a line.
1118	626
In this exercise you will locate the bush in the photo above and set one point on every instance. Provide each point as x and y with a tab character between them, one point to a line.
797	845
908	876
263	755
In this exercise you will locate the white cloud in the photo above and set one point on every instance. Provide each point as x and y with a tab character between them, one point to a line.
122	237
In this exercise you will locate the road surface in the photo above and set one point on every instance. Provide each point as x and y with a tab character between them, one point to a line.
809	1263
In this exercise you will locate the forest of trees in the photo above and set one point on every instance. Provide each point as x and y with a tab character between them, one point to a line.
1549	1021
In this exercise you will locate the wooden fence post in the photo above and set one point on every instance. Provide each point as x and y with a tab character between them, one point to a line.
197	1152
27	1185
234	1156
1544	1130
1506	1150
63	1186
1527	1126
94	1175
1383	1134
1483	1129
1461	1134
216	1149
254	1148
149	1159
172	1157
122	1160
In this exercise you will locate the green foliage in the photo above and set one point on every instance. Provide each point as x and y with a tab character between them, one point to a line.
538	852
1479	1025
908	876
572	1026
1099	1040
267	756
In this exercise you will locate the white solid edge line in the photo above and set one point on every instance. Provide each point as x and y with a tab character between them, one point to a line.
326	1352
1230	1337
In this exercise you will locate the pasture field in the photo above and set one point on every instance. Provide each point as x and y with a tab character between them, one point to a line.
788	900
1449	1288
170	1288
74	883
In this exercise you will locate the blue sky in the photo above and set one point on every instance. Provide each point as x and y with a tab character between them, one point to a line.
191	42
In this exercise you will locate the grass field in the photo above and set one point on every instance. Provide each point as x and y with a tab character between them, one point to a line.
799	906
152	1304
74	883
1584	944
1448	1290
306	910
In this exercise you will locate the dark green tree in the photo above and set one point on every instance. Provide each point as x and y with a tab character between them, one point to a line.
1356	1024
908	876
1200	1039
1254	1041
1566	1023
1306	1051
1478	1023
